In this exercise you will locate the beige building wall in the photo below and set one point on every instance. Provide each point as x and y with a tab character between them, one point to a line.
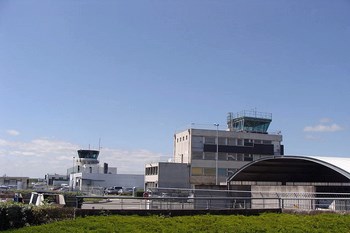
189	148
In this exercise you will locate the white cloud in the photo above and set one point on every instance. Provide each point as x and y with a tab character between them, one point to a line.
312	138
41	156
323	128
325	120
12	132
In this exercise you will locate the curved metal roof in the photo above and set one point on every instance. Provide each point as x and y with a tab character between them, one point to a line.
295	169
340	162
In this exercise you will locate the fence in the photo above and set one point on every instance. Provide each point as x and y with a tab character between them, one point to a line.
188	199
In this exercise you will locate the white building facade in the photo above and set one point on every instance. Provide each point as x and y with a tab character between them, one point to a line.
87	174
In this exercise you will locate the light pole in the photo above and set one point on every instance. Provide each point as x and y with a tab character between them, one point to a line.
72	176
217	154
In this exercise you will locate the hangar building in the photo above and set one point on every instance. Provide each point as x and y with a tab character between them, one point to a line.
317	178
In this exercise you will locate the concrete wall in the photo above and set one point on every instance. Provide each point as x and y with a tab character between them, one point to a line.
281	195
174	175
213	201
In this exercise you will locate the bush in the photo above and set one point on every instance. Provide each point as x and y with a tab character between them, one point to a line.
16	215
201	223
139	193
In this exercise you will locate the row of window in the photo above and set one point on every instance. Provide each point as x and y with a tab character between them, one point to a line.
79	169
223	141
228	141
225	156
151	171
151	185
183	138
206	171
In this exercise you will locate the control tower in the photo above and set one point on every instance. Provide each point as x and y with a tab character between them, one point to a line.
87	157
249	121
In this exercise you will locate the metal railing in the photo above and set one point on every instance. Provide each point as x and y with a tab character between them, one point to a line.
201	199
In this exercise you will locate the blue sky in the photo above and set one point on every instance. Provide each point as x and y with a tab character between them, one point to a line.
134	72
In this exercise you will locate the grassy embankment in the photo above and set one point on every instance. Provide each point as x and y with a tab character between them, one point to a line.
201	223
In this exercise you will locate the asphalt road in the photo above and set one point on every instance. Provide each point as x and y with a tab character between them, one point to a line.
122	204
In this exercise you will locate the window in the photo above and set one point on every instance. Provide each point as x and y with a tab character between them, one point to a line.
197	144
210	140
248	157
247	142
222	172
222	141
232	157
240	157
209	156
151	170
197	155
231	141
222	156
209	171
197	171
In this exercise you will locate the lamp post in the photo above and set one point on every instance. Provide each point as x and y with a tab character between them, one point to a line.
73	164
217	155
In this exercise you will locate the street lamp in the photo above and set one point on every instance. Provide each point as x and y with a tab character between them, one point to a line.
217	154
73	164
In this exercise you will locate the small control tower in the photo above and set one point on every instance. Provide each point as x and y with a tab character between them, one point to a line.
249	121
87	157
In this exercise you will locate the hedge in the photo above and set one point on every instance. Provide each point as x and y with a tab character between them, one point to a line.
16	215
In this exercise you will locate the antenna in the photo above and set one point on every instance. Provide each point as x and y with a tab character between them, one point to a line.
99	144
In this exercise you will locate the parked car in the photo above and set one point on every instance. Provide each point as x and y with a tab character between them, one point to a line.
126	191
4	187
112	190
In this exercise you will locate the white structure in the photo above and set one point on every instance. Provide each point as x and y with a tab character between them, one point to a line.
215	154
87	173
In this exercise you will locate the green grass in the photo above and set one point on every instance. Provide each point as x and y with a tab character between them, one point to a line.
201	223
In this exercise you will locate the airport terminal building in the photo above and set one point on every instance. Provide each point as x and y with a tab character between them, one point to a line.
213	155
